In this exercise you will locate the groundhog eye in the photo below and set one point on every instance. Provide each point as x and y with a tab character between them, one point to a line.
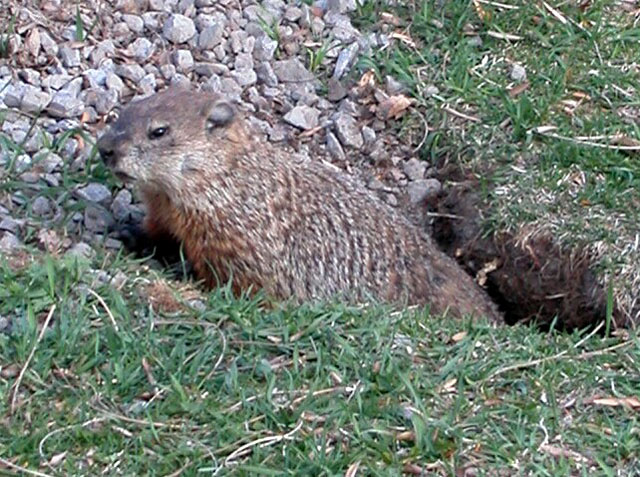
158	132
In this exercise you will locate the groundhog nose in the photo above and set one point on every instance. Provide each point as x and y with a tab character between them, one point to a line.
107	152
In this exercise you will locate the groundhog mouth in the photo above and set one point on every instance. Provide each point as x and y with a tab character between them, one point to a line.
123	176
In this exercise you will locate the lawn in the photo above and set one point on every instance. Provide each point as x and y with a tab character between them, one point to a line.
109	365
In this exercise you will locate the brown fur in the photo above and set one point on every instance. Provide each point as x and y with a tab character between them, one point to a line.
246	211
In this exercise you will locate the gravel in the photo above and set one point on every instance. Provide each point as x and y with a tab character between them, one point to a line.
221	46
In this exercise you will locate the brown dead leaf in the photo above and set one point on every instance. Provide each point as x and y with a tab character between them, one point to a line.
481	12
487	268
449	386
352	470
581	95
394	107
10	371
584	6
367	80
52	242
390	18
148	372
163	298
406	436
556	451
32	42
632	402
404	38
622	140
57	459
517	89
459	336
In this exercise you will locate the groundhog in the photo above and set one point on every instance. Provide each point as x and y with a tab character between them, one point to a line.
248	213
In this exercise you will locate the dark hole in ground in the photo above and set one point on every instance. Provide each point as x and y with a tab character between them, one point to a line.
533	277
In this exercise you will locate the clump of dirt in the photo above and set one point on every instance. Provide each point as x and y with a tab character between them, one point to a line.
529	275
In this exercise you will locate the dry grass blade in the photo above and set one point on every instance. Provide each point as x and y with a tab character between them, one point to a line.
16	385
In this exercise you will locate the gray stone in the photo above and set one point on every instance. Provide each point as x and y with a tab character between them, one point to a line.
70	57
34	100
134	22
244	77
9	243
345	60
121	205
183	60
104	50
237	39
73	87
48	44
22	163
141	49
131	71
95	78
293	14
41	206
57	82
178	29
81	250
302	117
106	101
65	105
51	163
393	86
375	184
414	169
94	192
317	26
292	71
148	84
243	61
211	69
431	90
213	84
97	219
9	224
369	136
342	29
348	131
340	6
152	20
30	76
13	95
334	147
231	87
266	74
336	90
518	73
423	190
168	71
210	37
264	48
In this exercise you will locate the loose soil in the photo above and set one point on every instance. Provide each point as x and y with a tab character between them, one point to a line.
529	276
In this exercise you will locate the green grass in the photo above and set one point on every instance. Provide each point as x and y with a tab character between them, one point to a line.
133	377
581	80
561	61
120	386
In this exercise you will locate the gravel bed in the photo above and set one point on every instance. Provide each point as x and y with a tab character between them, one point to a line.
293	67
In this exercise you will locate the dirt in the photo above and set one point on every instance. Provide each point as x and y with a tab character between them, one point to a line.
529	276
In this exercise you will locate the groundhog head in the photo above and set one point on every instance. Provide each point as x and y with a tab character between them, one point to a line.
162	140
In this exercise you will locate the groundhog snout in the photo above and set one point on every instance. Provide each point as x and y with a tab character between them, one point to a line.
109	150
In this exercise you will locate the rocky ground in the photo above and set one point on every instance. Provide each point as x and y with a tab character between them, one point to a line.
66	72
298	68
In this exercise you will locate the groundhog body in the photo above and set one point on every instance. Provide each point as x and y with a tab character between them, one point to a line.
247	212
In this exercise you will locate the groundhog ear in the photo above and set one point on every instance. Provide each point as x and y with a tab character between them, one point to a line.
219	113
